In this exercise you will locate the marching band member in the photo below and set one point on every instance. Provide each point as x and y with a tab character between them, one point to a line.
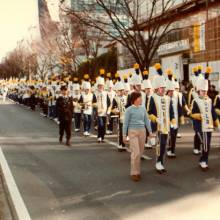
135	123
137	86
32	101
197	74
52	102
178	115
127	87
181	98
182	102
193	95
111	94
86	103
26	97
182	105
107	80
70	89
4	92
44	100
147	87
102	103
130	82
76	106
161	115
118	108
56	86
217	105
204	118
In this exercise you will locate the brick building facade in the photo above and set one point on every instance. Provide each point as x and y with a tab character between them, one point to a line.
196	43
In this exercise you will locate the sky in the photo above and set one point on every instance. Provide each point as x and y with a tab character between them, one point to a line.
19	20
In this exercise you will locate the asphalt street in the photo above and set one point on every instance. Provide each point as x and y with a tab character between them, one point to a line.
91	181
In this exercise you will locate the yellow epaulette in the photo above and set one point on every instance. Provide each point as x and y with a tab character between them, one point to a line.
217	111
153	118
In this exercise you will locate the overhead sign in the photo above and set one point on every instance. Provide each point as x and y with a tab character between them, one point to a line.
173	47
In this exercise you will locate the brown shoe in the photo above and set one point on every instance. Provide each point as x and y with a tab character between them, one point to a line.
136	178
139	176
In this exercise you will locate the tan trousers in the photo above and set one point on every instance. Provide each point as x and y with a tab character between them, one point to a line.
137	139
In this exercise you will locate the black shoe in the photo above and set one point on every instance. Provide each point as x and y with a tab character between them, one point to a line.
159	171
68	143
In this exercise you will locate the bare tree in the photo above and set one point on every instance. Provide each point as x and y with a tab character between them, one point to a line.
67	45
89	38
75	41
18	63
120	21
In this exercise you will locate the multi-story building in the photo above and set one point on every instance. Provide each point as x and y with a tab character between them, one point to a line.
196	40
47	26
96	38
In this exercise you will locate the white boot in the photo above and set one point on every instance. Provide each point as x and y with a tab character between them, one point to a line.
159	167
108	132
203	165
196	151
179	135
169	153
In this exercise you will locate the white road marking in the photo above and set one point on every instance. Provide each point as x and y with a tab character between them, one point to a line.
19	207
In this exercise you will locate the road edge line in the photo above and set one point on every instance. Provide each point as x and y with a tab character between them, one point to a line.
17	204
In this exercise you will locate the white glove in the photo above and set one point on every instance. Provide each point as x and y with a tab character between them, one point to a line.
153	141
188	112
174	126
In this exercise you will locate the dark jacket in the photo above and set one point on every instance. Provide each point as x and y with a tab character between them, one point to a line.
64	106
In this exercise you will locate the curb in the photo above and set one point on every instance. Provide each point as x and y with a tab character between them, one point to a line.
16	203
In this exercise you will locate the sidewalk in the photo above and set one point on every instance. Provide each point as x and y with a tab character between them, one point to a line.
5	212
